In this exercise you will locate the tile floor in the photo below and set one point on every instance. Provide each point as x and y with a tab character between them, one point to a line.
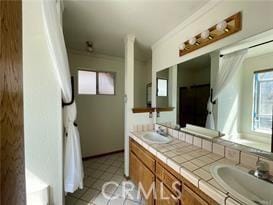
98	171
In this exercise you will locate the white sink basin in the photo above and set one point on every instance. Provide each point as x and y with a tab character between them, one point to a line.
243	186
153	137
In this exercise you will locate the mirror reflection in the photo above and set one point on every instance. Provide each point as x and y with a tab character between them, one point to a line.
229	90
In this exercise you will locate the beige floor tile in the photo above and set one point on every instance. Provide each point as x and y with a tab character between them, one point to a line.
130	202
98	184
116	201
110	188
112	169
89	181
106	176
78	193
134	195
81	202
69	200
101	200
90	195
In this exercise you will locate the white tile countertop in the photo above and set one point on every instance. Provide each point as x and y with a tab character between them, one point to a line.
193	157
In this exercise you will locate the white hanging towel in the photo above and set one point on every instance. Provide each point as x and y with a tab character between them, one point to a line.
73	168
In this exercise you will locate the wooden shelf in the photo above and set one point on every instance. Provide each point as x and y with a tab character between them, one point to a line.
164	109
151	109
143	110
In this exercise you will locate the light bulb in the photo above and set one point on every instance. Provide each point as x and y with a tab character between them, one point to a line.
192	41
182	46
205	34
221	26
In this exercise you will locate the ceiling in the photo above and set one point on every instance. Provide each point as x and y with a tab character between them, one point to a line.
107	22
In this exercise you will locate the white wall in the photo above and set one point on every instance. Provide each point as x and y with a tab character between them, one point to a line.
42	105
142	76
250	65
100	117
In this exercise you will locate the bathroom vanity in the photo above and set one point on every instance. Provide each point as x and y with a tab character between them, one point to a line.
191	170
146	168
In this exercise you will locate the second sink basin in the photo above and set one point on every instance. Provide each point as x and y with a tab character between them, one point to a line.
243	186
153	137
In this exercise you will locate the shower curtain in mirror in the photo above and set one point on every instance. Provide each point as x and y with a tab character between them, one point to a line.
73	168
230	63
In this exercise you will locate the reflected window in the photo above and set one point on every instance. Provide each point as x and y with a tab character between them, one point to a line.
162	87
263	101
96	83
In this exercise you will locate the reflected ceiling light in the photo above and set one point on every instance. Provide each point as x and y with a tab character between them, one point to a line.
182	46
192	41
221	26
205	34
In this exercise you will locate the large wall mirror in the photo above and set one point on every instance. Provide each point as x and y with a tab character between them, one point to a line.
229	90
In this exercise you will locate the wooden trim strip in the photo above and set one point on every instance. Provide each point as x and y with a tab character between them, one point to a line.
143	110
101	155
164	109
13	190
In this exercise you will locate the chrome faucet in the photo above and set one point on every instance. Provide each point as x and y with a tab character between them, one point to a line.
262	171
162	131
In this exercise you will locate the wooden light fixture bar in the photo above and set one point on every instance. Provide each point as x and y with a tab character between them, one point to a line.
234	24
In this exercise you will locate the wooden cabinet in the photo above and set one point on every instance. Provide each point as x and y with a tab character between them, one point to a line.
168	179
145	157
189	197
147	182
164	196
134	168
141	166
145	169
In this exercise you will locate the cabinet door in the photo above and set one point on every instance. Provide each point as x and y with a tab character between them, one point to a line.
191	198
147	180
164	196
134	168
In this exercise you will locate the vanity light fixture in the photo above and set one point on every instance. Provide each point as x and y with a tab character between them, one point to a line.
217	32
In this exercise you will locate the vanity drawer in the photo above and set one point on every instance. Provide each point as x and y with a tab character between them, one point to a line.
168	179
143	155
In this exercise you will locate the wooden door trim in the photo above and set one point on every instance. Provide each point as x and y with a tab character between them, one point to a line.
11	103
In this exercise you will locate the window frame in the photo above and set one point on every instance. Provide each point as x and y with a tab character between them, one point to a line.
160	78
256	100
97	81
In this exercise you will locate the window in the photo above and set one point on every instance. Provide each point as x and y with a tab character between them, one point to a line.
162	87
96	83
263	101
